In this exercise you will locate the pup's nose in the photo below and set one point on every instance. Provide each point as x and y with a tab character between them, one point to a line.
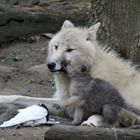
51	65
63	63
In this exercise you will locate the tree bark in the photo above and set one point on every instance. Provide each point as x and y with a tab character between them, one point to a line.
61	132
29	17
120	27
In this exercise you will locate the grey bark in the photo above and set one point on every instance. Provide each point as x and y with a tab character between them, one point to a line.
61	132
120	27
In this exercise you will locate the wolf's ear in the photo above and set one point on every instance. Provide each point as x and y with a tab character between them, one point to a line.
67	24
92	31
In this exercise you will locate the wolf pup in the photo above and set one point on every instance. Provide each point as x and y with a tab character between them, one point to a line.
89	95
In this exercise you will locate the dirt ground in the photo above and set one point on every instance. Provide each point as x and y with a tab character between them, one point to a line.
22	56
23	72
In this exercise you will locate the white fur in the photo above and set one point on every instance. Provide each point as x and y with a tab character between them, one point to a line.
94	121
119	73
105	64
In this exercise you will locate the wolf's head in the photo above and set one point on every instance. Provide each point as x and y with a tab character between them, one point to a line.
69	40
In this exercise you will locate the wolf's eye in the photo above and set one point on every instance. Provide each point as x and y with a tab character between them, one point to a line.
69	50
56	47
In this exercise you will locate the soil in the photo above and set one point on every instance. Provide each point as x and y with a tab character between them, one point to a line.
23	71
22	56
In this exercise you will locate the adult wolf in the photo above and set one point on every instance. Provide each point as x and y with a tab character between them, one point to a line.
105	65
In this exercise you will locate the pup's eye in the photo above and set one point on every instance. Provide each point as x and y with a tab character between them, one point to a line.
56	47
83	68
69	50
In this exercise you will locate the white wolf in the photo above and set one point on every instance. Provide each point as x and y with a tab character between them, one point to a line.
105	65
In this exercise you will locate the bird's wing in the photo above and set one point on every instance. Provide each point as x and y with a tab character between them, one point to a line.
34	112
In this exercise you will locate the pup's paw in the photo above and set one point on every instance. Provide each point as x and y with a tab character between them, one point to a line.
94	121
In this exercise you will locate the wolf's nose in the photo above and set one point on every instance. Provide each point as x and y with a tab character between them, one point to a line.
51	65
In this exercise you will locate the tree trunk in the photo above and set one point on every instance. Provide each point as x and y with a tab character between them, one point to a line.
120	27
61	132
19	18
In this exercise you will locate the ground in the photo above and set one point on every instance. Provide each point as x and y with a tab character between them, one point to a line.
20	62
22	56
23	134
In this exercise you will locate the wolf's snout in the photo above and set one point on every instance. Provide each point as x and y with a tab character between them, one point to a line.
51	66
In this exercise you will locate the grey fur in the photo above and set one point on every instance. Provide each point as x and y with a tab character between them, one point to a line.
90	95
98	97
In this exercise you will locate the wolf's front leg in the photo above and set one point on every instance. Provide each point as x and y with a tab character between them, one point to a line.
27	101
61	83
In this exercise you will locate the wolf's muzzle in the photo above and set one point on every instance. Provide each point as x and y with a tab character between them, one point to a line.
55	67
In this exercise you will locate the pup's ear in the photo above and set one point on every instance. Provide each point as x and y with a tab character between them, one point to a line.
92	31
67	24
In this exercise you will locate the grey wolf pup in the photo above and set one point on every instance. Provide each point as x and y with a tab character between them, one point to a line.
90	95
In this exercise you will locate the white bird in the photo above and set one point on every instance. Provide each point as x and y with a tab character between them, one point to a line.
34	113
